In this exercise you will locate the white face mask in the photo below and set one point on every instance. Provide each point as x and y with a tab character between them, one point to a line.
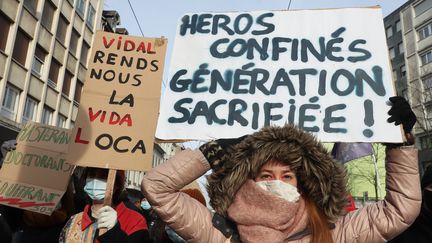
280	189
95	188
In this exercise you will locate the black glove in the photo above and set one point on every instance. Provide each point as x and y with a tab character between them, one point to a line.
401	113
216	151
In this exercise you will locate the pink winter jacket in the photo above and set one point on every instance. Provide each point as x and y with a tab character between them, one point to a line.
378	222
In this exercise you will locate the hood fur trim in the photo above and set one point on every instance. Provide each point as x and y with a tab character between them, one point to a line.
321	178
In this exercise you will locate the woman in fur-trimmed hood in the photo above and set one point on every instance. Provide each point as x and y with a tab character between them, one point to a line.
281	185
322	179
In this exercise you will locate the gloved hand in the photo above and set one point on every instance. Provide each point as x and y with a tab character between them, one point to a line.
107	217
8	146
216	151
401	113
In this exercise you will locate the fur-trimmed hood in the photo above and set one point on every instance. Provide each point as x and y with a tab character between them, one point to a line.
320	178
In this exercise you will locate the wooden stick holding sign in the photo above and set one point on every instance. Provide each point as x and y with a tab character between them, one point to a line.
109	193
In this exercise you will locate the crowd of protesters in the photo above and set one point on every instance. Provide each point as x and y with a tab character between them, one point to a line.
276	185
82	217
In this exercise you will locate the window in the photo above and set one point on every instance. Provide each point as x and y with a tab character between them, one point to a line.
4	30
394	75
422	7
38	60
90	16
78	90
53	73
427	84
403	71
84	53
47	115
80	5
31	5
61	29
425	31
20	48
66	83
398	26
389	32
10	102
392	53
426	57
74	41
401	48
48	15
61	121
29	110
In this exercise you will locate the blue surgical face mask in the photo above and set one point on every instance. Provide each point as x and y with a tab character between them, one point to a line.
95	188
145	205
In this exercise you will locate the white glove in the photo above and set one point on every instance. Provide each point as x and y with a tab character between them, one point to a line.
8	146
107	217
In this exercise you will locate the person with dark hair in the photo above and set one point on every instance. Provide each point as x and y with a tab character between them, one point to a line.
122	224
421	230
281	185
133	201
134	196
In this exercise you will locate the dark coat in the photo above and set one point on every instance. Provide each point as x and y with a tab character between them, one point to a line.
421	230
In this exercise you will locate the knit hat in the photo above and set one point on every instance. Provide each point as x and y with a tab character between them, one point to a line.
195	194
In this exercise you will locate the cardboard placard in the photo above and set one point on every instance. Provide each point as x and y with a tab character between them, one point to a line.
325	70
35	175
116	121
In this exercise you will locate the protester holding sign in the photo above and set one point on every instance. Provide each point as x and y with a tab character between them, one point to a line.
280	184
122	224
30	225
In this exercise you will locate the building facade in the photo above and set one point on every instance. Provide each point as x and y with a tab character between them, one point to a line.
409	38
44	47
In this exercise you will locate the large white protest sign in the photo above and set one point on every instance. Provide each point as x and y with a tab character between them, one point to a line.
326	70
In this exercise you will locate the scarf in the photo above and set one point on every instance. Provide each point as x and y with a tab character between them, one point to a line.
263	217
